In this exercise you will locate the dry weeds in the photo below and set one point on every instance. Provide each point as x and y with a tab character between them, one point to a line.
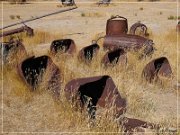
38	112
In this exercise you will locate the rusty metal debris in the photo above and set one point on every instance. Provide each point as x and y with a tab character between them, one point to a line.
104	2
157	68
130	125
29	31
128	42
87	53
139	29
63	46
12	51
117	56
95	92
116	25
98	92
35	69
68	2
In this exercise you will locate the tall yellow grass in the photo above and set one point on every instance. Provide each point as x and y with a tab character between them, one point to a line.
26	111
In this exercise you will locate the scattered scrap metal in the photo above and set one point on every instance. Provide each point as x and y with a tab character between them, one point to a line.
104	2
98	92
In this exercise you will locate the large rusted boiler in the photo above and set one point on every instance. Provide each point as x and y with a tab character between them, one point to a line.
116	25
128	42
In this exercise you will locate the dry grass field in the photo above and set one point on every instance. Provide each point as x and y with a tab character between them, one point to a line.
25	111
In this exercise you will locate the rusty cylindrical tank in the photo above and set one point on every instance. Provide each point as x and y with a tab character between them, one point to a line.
128	42
116	25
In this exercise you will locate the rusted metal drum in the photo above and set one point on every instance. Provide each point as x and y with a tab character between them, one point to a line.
12	52
116	25
128	42
35	70
157	68
63	46
100	90
117	56
87	53
139	29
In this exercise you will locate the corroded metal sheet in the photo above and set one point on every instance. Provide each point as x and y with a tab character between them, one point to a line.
139	29
12	51
101	91
131	125
34	70
88	53
29	31
63	46
159	67
117	56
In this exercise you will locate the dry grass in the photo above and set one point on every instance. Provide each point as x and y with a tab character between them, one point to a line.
41	37
37	111
92	14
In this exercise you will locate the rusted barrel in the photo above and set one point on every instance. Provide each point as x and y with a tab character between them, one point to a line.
63	46
87	53
35	70
117	56
128	42
13	52
99	91
29	31
157	68
116	25
139	29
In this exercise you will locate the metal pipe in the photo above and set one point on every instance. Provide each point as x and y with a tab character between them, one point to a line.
29	20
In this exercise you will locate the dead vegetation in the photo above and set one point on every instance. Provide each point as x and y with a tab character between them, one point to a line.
42	37
26	111
91	14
